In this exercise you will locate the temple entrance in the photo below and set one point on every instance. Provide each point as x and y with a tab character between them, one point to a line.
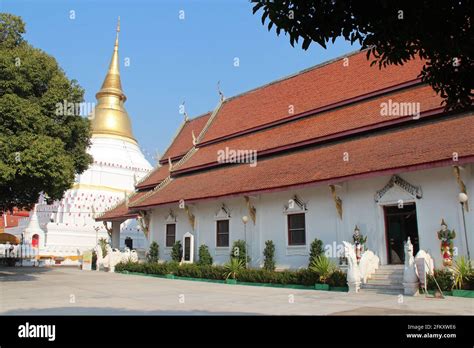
400	223
129	243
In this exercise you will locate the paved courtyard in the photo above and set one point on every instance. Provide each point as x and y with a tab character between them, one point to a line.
58	291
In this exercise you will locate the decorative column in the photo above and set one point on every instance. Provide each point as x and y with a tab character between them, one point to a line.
115	234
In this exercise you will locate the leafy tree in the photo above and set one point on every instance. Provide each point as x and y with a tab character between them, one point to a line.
154	252
177	251
41	150
269	256
205	258
316	250
394	32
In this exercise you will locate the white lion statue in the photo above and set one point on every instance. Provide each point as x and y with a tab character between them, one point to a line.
368	263
410	276
113	257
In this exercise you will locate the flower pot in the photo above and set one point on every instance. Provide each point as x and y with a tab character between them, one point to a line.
321	287
169	276
231	281
463	293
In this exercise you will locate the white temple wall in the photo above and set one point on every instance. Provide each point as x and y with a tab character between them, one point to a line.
440	200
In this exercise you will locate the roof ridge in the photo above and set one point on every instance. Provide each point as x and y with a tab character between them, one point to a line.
158	187
209	121
185	157
287	77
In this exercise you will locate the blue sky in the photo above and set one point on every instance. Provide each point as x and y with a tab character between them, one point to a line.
171	59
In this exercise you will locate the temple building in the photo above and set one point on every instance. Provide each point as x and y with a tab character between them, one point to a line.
69	225
339	149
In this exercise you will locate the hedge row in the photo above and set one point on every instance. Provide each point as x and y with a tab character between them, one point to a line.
300	277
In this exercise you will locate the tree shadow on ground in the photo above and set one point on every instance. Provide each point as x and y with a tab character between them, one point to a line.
21	274
73	311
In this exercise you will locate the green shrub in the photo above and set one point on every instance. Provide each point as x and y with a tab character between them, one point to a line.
130	267
172	267
469	285
316	249
322	266
188	270
198	271
239	251
233	268
337	279
307	277
154	252
462	272
205	258
269	256
444	279
177	251
286	277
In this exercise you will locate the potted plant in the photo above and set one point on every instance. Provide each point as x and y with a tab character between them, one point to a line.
232	270
323	267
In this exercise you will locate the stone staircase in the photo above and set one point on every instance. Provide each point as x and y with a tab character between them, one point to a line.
387	279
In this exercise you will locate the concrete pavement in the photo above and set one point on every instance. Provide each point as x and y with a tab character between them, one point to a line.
69	291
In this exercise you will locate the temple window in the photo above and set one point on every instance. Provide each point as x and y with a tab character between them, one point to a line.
222	233
296	229
170	235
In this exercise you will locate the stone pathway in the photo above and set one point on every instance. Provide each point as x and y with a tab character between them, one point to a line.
69	291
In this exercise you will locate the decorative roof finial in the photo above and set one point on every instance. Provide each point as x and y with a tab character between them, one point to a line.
186	118
219	91
118	31
157	156
194	137
126	198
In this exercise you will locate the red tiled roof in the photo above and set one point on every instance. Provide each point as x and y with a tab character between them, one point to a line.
156	176
181	144
352	117
316	87
184	140
120	211
420	145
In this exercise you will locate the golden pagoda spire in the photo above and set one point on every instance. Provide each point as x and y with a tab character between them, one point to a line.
110	118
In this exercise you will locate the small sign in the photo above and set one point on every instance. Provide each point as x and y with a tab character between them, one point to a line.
87	260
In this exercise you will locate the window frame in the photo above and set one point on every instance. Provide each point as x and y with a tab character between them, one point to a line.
166	234
217	233
290	230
